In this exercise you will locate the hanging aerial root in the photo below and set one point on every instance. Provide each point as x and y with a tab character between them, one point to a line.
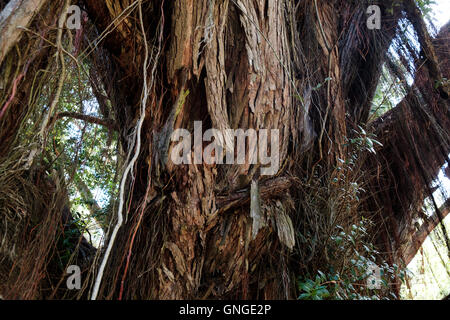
146	90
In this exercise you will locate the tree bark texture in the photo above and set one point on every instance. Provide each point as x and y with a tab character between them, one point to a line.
188	229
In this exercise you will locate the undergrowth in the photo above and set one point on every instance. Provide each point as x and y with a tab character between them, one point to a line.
358	278
343	262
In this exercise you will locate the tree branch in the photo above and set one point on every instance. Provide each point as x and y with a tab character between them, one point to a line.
268	189
16	13
410	249
416	143
108	123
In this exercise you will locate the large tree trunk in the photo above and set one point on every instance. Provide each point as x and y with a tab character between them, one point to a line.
238	61
193	231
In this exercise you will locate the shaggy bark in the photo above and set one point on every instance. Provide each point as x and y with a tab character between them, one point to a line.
415	137
189	230
235	60
13	18
416	239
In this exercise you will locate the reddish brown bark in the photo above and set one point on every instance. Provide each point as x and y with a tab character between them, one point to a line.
251	64
237	61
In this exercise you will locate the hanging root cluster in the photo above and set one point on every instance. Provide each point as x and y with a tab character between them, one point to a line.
34	207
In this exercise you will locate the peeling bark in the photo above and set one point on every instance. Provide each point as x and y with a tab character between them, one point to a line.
210	231
16	15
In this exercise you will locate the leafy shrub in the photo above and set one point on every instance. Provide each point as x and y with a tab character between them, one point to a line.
350	279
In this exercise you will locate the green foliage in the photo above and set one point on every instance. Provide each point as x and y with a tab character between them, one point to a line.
365	140
322	84
395	3
314	290
86	154
89	150
349	280
425	6
442	82
389	92
67	243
